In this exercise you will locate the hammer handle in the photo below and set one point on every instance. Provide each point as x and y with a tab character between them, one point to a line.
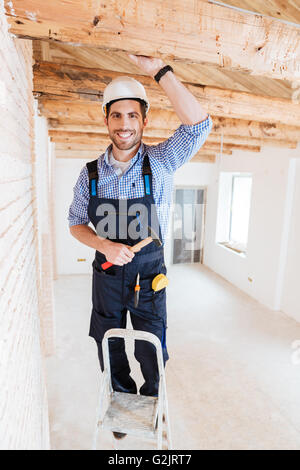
134	249
141	244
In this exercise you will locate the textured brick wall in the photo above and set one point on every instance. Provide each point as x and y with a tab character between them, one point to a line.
23	401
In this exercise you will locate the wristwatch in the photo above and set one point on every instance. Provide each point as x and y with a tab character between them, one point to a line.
162	71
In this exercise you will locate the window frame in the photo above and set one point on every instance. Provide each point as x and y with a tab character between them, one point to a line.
227	242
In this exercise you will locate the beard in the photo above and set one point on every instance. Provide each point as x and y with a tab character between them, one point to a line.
132	141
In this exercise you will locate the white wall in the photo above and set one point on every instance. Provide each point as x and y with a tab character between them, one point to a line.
268	205
290	301
68	249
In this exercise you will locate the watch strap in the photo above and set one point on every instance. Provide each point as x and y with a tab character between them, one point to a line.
162	71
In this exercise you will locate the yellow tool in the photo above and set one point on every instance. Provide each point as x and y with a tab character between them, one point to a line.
159	282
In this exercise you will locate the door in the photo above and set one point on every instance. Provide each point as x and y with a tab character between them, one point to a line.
188	225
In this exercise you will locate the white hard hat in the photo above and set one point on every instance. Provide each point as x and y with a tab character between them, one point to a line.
124	88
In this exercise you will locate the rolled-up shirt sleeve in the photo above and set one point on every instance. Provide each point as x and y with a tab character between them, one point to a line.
183	144
78	211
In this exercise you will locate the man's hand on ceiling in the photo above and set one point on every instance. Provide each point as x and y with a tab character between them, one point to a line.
149	65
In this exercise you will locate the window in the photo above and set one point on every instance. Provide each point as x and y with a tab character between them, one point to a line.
234	210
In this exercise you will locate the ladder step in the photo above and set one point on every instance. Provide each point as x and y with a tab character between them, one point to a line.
131	414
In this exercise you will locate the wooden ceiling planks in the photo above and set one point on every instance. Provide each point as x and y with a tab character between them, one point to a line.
104	141
244	115
200	157
198	74
64	134
83	87
204	33
167	121
287	10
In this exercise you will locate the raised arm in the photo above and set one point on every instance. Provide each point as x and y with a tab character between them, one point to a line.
179	148
185	104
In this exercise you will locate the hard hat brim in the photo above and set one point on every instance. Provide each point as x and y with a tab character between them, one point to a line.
140	100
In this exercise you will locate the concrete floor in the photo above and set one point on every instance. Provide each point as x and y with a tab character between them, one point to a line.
231	380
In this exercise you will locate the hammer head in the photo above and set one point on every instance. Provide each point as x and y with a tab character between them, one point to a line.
154	236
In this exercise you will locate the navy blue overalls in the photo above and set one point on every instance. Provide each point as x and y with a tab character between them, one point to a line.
113	289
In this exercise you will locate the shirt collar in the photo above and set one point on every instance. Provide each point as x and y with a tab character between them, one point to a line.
132	161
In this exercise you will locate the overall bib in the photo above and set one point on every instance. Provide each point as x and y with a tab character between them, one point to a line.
113	289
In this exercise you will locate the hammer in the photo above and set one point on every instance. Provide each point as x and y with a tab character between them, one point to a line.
153	237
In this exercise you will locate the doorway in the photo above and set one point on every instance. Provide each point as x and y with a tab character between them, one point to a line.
188	224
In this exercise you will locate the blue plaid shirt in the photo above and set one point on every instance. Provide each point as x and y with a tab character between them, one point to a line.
165	158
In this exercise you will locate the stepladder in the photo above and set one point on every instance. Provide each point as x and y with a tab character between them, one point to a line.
137	415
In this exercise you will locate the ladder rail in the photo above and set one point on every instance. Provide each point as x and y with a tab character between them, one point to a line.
100	407
133	335
162	407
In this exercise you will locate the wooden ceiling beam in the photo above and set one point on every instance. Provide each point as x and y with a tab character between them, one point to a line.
89	137
91	154
203	158
205	33
163	123
256	129
74	127
194	73
287	11
103	144
217	147
85	86
87	154
100	147
83	141
91	111
236	139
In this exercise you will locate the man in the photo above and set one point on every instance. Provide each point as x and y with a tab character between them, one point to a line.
128	175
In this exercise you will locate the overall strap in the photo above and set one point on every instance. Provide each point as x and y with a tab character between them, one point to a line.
93	176
147	176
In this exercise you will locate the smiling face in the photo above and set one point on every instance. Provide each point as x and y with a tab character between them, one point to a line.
125	124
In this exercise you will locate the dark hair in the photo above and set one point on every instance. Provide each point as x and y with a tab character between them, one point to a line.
142	103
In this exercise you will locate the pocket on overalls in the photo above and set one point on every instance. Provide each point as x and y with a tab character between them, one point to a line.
163	268
111	271
146	296
106	291
157	298
152	301
159	302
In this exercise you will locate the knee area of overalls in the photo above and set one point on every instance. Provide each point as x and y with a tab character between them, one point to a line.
144	348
